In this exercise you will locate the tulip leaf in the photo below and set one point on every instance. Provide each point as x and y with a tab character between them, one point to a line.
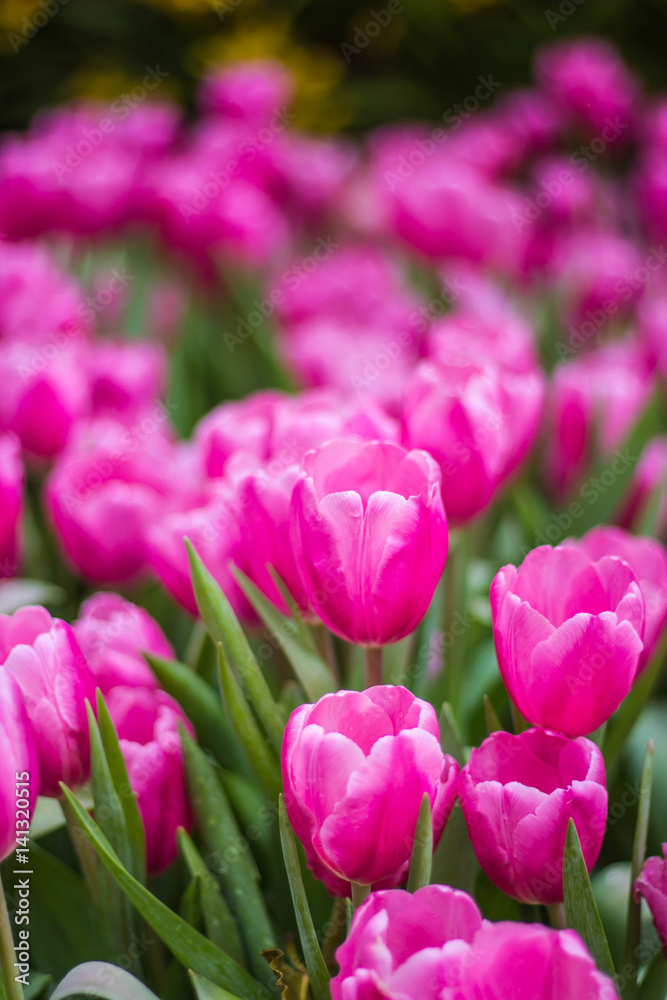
422	848
292	982
224	627
102	981
260	755
454	860
220	926
493	723
205	990
204	710
623	720
654	983
230	858
450	735
633	926
311	671
190	904
38	983
580	907
191	948
317	970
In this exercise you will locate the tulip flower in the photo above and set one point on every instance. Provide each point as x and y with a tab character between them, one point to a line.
647	487
113	635
45	659
518	794
126	379
434	945
18	764
147	723
355	769
652	887
478	421
568	634
647	559
370	537
11	503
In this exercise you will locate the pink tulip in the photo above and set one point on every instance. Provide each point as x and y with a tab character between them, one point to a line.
126	379
113	635
434	945
648	487
11	503
243	426
355	769
568	634
647	559
370	537
147	723
251	91
478	420
44	657
518	794
19	766
595	271
652	887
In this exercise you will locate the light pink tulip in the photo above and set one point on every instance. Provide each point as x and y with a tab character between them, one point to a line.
647	559
113	635
19	766
147	723
43	656
518	794
568	634
355	769
370	537
11	504
652	887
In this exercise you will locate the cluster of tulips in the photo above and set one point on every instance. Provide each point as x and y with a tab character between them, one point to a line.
466	328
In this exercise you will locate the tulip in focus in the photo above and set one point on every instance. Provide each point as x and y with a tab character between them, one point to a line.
518	794
19	766
370	537
11	503
652	887
113	635
147	723
43	656
569	636
356	766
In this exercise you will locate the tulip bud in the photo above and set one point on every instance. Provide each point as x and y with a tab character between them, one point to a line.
44	657
370	537
19	766
568	634
356	766
518	794
113	635
147	723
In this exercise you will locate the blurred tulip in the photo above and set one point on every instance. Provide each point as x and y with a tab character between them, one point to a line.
568	634
113	635
126	379
355	769
652	887
147	723
43	656
19	766
11	504
518	794
370	537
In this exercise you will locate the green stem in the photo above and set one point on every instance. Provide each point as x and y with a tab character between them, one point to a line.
373	665
557	918
360	894
455	620
12	989
325	647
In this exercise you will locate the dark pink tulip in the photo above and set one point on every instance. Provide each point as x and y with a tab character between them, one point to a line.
113	635
478	420
19	766
250	91
647	559
11	503
126	379
243	426
568	634
596	274
355	769
518	794
370	537
652	887
43	656
147	723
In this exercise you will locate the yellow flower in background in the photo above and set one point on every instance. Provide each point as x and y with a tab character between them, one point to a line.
13	12
108	83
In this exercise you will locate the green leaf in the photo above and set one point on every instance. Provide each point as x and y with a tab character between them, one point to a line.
311	671
191	948
624	718
205	990
230	858
454	861
580	907
48	817
224	627
450	736
102	981
220	926
204	710
38	983
260	755
493	723
317	970
422	848
654	983
633	927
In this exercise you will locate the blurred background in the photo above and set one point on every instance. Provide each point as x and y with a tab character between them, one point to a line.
421	63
